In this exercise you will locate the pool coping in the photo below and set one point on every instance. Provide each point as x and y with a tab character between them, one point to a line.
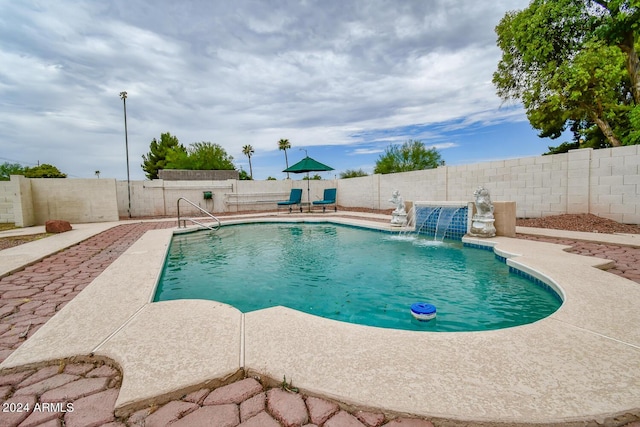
576	365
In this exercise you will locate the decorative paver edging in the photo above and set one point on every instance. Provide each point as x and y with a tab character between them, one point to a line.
84	394
79	394
626	258
348	374
31	296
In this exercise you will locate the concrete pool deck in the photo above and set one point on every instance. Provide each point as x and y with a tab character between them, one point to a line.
580	364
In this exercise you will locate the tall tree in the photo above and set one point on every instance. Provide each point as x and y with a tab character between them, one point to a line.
410	156
314	177
206	155
352	173
200	156
586	88
285	145
243	175
248	151
618	25
7	169
571	61
44	171
156	158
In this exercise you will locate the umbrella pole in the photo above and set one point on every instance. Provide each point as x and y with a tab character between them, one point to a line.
308	194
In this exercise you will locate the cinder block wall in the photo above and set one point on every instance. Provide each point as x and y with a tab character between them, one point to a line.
604	182
159	197
538	185
6	201
362	191
614	183
23	212
197	175
74	200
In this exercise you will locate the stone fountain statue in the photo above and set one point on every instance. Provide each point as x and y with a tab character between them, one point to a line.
482	222
399	215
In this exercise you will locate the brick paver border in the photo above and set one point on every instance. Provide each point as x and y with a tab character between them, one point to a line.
626	258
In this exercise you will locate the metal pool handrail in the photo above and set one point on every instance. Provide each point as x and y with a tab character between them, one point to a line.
195	221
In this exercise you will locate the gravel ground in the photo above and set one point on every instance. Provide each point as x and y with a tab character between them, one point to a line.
579	222
9	242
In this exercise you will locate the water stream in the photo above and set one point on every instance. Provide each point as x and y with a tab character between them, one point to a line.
444	220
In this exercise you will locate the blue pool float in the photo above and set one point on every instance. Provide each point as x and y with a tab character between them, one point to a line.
423	311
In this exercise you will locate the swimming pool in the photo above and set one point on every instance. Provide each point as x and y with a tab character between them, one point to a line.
352	275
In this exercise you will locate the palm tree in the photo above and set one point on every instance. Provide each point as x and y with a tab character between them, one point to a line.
248	151
284	144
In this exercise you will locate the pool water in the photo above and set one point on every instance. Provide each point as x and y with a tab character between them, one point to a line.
352	275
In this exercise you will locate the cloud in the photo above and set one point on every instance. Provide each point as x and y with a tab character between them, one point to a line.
443	146
318	73
360	151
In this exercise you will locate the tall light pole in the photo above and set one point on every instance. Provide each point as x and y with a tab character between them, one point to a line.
123	96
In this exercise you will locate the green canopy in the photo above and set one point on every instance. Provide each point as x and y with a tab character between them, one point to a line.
308	165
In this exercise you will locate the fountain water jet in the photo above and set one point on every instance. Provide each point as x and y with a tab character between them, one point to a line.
442	219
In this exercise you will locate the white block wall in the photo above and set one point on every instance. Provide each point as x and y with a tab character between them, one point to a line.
6	201
74	200
537	184
362	191
159	197
614	183
604	182
23	210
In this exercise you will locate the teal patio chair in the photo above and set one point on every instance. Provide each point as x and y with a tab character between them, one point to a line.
295	198
329	198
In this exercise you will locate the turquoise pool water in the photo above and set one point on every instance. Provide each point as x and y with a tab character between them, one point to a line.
352	275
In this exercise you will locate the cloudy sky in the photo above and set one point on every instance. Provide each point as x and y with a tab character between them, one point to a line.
340	79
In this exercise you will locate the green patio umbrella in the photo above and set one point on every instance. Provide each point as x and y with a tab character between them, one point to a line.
308	165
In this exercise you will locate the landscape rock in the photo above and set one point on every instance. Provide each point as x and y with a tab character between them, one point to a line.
57	226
